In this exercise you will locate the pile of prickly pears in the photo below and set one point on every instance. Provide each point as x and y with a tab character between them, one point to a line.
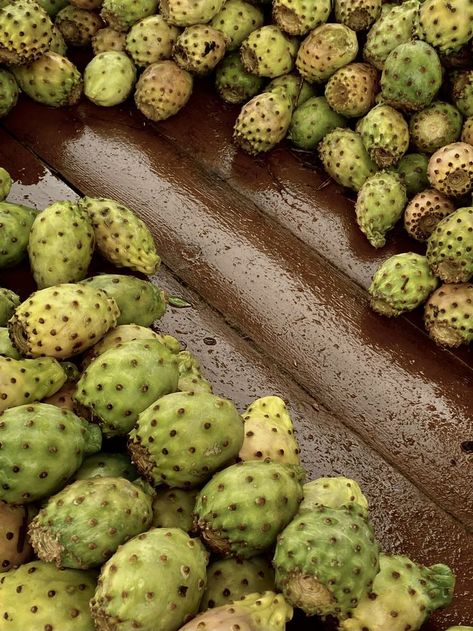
131	496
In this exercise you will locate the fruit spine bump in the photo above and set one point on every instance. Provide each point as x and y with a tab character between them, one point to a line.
109	78
199	48
358	15
298	17
267	52
450	247
450	169
162	90
236	21
189	12
446	24
173	508
352	90
150	40
385	134
424	212
448	315
122	14
78	26
311	121
26	32
233	83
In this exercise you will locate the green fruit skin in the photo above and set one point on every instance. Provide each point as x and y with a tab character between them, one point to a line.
82	526
164	562
9	92
401	284
26	593
106	465
385	134
140	302
58	43
266	52
106	39
345	158
207	428
379	206
311	121
123	381
28	380
16	221
62	321
412	76
57	440
301	16
449	248
233	83
262	496
189	12
236	20
77	25
122	14
6	347
446	24
5	181
359	84
14	545
61	245
359	15
403	596
109	78
333	492
316	568
412	169
190	375
26	32
199	49
462	91
52	7
173	508
229	580
9	301
467	131
151	40
163	90
437	125
448	315
121	237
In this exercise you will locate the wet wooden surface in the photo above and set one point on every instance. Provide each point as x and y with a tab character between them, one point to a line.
277	272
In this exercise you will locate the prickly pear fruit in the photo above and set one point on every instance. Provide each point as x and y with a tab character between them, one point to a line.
243	508
450	247
140	302
462	91
9	92
42	446
190	12
448	315
77	26
403	596
450	169
162	90
170	568
61	245
257	612
437	125
412	76
199	48
300	17
72	529
229	580
412	169
52	7
106	465
14	546
62	321
311	121
121	237
316	569
401	283
424	212
205	427
123	381
267	52
64	397
326	49
358	15
379	206
333	492
392	29
269	432
5	184
122	14
129	333
292	86
151	40
351	90
16	222
9	301
106	39
58	43
173	508
28	380
467	131
446	24
237	20
190	375
233	83
26	594
109	78
6	347
26	32
345	158
385	134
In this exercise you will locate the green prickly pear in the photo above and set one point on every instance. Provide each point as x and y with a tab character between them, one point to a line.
403	596
207	428
6	347
412	169
42	446
425	211
16	221
170	569
300	17
28	380
190	375
242	509
140	302
109	78
237	20
52	7
26	32
333	492
63	398
189	12
162	90
385	134
58	44
435	126
121	236
229	580
61	245
199	48
106	39
39	596
351	90
267	52
62	321
446	24
311	121
256	612
122	14
14	546
151	40
82	526
77	25
450	169
9	301
359	15
9	92
448	315
123	381
233	83
173	508
450	247
106	465
5	183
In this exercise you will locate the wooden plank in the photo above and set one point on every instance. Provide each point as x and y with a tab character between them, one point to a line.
405	520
